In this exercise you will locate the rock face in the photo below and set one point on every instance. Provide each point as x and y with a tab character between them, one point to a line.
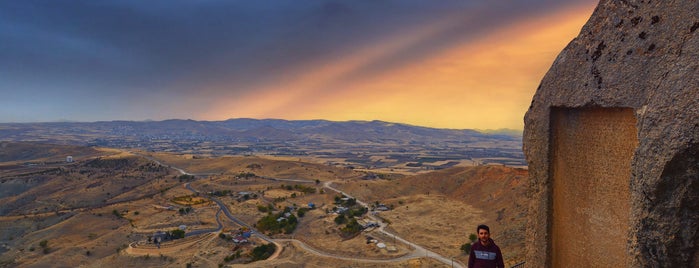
612	141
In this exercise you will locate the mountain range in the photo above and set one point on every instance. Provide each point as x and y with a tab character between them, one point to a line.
248	130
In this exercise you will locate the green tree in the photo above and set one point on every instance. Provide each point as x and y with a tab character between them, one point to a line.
472	237
352	227
466	248
177	233
263	252
340	219
301	212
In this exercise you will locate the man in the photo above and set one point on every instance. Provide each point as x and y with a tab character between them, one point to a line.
484	252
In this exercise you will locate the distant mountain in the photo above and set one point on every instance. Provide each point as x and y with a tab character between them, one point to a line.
258	129
502	131
356	141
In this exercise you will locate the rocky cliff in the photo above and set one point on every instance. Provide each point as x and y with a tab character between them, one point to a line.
636	56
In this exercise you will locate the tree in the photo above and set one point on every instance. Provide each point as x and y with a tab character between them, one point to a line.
472	237
352	227
263	252
177	233
340	219
45	246
351	202
466	248
302	212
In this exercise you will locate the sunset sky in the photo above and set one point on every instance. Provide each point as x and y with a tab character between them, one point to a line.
446	64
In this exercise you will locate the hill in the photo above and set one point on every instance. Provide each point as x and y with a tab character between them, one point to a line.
351	142
452	202
24	151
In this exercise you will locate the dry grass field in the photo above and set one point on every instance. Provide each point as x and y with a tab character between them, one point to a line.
440	209
90	212
277	167
295	257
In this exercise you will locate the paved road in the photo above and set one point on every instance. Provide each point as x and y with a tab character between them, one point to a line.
230	216
205	231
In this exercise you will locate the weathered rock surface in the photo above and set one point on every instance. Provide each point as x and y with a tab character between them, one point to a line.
644	56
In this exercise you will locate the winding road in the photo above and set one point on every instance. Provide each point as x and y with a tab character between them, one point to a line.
206	231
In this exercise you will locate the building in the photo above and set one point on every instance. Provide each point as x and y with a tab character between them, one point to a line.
239	239
159	237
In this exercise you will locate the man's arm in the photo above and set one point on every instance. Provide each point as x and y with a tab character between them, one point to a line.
499	263
471	257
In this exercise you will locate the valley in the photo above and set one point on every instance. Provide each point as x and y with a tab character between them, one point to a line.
374	146
106	208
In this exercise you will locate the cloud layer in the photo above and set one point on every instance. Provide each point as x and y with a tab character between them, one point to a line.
212	60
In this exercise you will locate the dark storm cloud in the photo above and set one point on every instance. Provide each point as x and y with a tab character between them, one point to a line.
124	48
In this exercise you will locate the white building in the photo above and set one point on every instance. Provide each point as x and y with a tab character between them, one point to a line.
69	159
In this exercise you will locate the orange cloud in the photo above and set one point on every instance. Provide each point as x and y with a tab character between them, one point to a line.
484	83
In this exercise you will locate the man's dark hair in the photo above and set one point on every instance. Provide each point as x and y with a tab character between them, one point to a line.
484	227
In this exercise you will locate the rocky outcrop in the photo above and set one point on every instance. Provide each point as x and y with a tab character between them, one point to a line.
637	55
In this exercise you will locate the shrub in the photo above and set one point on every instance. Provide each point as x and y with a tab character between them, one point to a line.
262	252
466	248
472	237
117	214
351	228
340	219
301	212
177	233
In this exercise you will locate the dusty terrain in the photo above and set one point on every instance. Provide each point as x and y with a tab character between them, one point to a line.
83	225
440	209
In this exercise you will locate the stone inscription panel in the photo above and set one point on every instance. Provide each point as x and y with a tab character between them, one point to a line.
591	151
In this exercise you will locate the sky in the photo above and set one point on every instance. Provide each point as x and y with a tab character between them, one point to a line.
448	64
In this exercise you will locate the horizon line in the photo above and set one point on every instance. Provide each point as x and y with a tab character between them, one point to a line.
260	119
